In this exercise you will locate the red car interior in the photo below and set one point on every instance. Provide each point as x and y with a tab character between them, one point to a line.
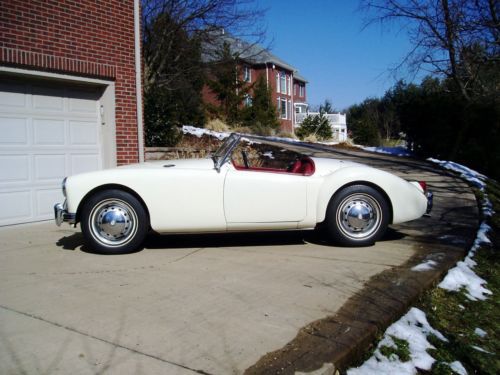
303	166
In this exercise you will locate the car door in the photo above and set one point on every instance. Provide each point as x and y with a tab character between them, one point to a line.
252	196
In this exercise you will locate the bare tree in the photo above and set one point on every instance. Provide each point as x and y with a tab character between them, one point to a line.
457	39
166	23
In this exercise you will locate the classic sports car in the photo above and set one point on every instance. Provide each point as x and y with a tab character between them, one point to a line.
249	184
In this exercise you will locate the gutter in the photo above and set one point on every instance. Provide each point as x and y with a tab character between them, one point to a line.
138	83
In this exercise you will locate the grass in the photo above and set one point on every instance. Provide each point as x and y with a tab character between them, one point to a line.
401	349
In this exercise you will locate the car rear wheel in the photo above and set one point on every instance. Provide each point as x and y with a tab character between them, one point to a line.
357	215
114	222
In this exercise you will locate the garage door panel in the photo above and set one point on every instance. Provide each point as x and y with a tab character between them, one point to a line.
48	132
13	131
16	207
14	168
83	133
82	101
84	163
50	167
45	202
12	94
47	98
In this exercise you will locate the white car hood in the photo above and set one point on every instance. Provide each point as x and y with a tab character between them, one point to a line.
205	163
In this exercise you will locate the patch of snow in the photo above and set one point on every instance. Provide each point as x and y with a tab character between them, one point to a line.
458	368
397	151
481	333
199	132
462	276
413	328
425	266
481	349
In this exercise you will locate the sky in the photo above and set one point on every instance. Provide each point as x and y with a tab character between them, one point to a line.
326	42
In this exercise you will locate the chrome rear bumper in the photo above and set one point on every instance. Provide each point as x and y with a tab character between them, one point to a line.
430	201
62	215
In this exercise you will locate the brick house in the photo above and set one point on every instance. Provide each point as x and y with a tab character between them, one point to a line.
70	97
288	87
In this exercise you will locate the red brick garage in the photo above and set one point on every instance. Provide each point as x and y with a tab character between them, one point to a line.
70	96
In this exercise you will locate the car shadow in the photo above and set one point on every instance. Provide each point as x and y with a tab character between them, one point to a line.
156	241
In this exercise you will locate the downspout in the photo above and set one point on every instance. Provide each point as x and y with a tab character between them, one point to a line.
138	76
267	77
293	103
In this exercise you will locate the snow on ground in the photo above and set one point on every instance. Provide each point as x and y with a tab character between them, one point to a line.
475	178
414	329
426	265
480	332
199	132
397	151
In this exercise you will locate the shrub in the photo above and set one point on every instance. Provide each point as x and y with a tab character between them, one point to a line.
217	125
317	125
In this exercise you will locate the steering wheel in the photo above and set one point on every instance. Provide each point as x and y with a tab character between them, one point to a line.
245	159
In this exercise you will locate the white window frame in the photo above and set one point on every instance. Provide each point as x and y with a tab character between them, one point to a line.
247	100
247	73
302	89
283	82
282	115
277	82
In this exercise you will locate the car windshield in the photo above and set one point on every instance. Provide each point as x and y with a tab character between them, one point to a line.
225	148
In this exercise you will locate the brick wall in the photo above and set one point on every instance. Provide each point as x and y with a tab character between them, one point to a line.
81	37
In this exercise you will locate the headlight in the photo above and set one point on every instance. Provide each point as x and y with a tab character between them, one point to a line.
64	186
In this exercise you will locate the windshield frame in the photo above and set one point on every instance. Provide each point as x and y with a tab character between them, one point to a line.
221	155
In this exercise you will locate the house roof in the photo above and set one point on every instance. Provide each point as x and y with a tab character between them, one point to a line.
299	77
253	54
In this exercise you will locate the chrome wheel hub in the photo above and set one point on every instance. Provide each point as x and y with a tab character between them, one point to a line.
359	216
113	222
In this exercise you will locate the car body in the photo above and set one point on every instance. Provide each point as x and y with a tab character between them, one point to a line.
250	184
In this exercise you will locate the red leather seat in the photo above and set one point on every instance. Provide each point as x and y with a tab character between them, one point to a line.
296	167
307	167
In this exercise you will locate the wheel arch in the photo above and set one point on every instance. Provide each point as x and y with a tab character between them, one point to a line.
372	185
332	194
110	187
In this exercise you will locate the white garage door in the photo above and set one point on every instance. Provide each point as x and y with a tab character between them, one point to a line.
47	131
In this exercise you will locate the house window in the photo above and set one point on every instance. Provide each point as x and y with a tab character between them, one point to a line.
283	82
302	90
247	73
282	108
295	90
289	110
277	83
247	100
289	81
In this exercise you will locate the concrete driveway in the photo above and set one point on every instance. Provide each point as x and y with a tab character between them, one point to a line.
209	304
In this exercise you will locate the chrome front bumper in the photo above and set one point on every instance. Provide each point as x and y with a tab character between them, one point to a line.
430	202
62	215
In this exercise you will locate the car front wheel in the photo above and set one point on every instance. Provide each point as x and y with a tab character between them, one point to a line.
114	222
357	215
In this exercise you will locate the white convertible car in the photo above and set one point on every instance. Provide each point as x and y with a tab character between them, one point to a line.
249	184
